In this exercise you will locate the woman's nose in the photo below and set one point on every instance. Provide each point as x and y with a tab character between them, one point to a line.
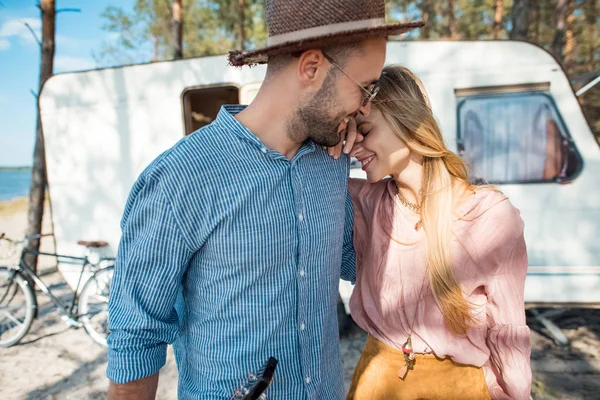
357	149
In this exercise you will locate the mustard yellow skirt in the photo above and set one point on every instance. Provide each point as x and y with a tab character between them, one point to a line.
376	377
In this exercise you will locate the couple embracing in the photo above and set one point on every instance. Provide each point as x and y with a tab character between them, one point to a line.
234	240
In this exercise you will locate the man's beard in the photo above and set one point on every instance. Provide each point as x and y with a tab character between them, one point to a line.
314	121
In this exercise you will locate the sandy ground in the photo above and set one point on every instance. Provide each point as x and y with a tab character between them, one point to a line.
55	362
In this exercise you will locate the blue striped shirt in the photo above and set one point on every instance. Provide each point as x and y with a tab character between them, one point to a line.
233	254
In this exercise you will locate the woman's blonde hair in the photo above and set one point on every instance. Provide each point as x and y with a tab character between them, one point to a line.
405	106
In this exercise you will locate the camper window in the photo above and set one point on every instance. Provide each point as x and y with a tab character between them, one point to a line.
515	138
201	105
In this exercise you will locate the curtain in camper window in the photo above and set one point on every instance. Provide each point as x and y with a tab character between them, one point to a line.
510	137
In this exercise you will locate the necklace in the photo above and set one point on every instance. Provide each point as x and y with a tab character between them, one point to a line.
412	206
407	348
415	207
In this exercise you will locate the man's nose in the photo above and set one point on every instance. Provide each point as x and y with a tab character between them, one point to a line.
365	110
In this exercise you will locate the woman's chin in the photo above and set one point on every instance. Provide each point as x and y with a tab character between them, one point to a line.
372	178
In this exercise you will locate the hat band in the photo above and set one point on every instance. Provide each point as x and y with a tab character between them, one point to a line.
317	31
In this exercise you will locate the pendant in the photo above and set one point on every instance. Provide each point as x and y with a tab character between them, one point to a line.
409	359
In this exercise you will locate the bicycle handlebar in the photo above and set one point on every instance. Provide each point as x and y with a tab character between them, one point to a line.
25	239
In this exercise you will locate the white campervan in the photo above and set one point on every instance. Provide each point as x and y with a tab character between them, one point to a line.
506	106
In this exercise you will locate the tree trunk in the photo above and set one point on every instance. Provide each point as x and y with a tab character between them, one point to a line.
427	16
35	213
536	15
451	20
559	36
591	15
499	11
242	16
520	19
569	39
177	29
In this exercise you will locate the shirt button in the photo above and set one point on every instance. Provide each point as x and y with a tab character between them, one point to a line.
263	149
302	326
307	379
301	272
300	217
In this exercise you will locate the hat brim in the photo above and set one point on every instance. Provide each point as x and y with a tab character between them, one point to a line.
238	58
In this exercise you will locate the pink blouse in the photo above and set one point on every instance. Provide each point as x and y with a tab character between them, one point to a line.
490	262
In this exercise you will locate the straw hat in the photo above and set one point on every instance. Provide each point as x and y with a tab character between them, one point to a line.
297	25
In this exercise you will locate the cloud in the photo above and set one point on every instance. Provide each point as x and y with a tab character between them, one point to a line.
69	63
16	28
71	43
4	44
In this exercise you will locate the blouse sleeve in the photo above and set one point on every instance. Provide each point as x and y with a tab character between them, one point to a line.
356	188
508	370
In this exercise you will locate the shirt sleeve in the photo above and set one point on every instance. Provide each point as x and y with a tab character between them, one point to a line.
152	259
508	370
349	256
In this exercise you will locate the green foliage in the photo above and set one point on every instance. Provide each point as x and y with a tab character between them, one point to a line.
209	28
214	27
475	21
476	18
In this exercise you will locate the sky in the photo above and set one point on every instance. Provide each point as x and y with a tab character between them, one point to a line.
78	36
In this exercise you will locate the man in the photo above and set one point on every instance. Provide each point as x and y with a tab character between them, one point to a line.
246	219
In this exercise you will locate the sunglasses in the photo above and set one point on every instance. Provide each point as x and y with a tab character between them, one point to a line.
369	93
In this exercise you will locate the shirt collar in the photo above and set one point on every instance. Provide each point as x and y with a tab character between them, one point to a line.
226	119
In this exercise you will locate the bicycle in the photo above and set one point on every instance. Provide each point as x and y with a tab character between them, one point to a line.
18	302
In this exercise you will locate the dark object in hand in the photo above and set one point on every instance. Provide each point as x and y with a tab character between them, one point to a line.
265	380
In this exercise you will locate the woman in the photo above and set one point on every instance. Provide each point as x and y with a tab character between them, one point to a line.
441	263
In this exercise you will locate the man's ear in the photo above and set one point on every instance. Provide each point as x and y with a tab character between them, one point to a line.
312	68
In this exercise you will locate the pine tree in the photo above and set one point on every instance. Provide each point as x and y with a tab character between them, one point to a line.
520	19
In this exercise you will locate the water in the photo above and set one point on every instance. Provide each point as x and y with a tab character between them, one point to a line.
14	183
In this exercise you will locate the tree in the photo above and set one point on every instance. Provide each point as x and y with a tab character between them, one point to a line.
240	18
451	19
394	7
474	19
137	30
569	39
428	15
426	10
39	179
562	7
535	13
208	28
242	23
498	13
520	19
591	17
177	29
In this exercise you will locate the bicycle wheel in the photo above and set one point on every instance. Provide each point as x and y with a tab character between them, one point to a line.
93	305
17	307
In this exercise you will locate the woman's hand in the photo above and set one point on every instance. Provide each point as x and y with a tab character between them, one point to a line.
349	136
